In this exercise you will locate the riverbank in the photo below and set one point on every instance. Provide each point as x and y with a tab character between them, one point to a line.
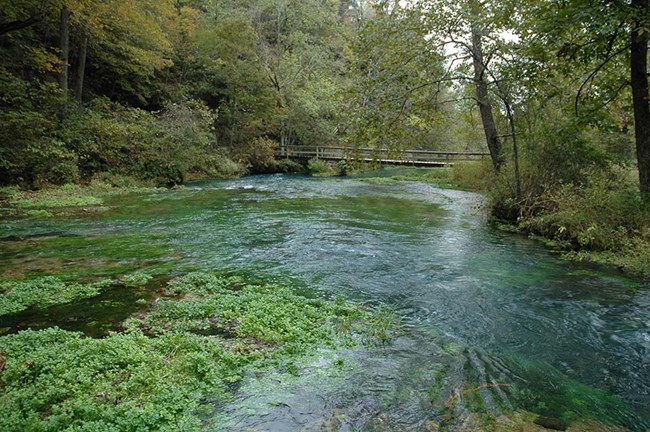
64	200
604	222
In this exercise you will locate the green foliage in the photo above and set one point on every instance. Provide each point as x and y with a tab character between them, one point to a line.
557	397
44	201
231	305
258	155
392	101
474	176
557	152
16	296
383	325
602	214
137	279
603	217
289	166
71	198
170	364
27	153
163	148
319	167
56	380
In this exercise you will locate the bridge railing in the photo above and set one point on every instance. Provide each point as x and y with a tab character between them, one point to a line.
380	155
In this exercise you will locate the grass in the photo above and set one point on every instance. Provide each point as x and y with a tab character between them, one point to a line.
172	363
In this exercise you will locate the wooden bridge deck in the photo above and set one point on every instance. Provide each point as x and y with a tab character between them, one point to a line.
383	156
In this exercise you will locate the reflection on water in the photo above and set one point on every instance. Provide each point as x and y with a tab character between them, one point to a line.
490	322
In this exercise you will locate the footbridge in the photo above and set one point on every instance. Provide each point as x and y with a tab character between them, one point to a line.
421	158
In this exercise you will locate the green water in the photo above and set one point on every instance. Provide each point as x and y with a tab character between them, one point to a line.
490	323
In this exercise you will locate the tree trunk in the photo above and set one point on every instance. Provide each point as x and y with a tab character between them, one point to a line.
639	80
81	69
489	125
65	48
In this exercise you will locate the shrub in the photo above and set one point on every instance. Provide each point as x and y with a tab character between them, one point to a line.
29	154
258	155
602	214
320	167
476	176
218	165
289	166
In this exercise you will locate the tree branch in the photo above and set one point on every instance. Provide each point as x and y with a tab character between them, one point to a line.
21	24
593	74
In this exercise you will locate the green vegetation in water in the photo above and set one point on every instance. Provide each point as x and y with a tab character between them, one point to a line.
537	398
72	257
170	365
556	396
469	176
19	295
231	306
518	421
63	200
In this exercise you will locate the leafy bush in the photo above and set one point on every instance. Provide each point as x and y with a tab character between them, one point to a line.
116	180
561	152
162	147
289	166
258	155
475	176
29	154
603	219
320	167
42	140
602	214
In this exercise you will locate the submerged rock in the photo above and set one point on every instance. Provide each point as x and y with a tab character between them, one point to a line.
552	423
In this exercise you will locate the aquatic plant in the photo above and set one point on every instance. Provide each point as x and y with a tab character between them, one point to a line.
137	279
18	295
170	365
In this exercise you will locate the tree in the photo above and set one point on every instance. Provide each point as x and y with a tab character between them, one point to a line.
639	35
64	46
35	15
299	45
472	38
594	36
482	95
394	85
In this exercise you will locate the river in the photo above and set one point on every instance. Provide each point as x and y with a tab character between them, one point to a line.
488	322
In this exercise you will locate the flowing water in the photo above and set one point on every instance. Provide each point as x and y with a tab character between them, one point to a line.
489	323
